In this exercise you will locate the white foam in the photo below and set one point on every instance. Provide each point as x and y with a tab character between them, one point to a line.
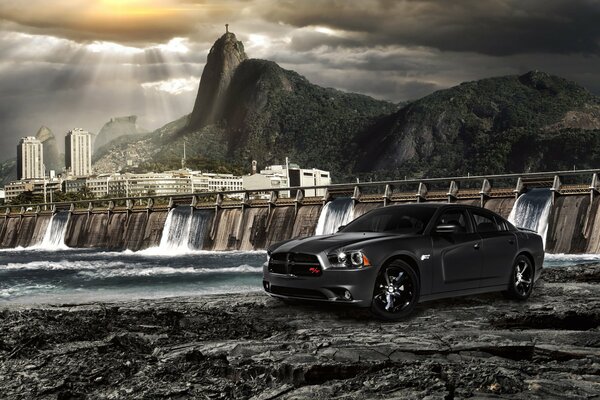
24	290
165	271
563	260
161	252
61	265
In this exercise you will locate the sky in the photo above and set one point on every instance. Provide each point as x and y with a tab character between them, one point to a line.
77	63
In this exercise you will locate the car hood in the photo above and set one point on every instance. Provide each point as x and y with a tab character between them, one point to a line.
322	243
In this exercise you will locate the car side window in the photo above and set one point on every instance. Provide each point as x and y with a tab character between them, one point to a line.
487	223
457	217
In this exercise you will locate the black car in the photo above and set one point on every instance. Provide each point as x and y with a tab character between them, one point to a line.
394	257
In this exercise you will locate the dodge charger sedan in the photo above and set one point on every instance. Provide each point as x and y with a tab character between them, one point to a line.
394	257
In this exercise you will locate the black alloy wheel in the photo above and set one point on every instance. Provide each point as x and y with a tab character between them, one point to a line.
521	279
396	291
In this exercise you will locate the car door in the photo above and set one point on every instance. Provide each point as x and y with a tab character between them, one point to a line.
457	255
498	248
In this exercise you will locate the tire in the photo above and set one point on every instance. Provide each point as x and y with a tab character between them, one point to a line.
399	302
521	281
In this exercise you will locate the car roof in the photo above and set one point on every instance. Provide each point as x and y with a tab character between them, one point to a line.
434	205
439	205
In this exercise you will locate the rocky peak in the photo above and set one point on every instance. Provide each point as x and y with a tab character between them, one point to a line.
44	133
224	57
52	158
115	128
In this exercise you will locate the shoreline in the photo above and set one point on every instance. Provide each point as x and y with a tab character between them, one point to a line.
248	345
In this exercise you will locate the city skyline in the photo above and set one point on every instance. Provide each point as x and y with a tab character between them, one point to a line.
79	63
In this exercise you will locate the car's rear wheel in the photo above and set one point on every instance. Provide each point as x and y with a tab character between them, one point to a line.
396	292
521	279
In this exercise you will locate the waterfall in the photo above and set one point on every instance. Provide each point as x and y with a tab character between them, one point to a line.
531	211
55	232
177	229
185	229
335	214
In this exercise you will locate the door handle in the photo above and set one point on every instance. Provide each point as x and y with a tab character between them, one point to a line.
476	246
511	241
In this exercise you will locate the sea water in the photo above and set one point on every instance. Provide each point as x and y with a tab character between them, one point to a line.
83	275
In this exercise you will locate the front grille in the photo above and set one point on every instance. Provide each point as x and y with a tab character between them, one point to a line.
295	264
297	292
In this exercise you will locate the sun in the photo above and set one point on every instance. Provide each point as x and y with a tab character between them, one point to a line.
134	7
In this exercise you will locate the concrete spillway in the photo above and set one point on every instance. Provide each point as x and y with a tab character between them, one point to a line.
570	224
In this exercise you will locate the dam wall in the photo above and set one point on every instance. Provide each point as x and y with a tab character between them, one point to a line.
572	226
565	214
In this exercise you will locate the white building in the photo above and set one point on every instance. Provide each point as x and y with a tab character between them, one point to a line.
78	153
290	175
309	177
39	187
272	177
30	158
224	182
161	183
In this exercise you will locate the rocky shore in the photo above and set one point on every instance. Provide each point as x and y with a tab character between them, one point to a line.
243	346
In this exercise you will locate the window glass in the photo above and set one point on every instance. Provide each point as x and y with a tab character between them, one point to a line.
487	223
456	217
402	220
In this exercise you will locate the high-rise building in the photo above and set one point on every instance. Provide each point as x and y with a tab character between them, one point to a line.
30	158
78	153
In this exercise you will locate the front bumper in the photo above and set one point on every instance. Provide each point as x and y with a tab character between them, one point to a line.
332	286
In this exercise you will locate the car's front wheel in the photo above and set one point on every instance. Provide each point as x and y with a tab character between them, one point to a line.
521	279
396	292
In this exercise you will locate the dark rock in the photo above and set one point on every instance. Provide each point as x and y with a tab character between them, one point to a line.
255	347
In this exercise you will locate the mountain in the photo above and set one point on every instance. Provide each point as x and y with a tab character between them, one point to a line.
252	109
531	122
223	59
8	171
115	128
52	158
249	109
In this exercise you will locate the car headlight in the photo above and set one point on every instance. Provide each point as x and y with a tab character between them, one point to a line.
349	259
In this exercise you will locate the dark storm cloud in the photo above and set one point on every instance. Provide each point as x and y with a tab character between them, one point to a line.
487	27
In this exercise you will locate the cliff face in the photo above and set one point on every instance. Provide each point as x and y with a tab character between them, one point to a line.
52	158
224	57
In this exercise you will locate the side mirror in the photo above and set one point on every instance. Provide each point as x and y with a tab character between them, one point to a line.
447	228
341	227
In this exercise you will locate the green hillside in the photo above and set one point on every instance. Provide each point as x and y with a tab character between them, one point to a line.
496	125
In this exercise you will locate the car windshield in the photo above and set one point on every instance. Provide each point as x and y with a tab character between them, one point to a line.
402	220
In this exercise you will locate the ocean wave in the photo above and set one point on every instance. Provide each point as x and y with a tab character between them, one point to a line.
165	271
173	252
565	260
61	265
20	290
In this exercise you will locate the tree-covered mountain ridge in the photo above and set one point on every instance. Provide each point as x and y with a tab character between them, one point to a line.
260	111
